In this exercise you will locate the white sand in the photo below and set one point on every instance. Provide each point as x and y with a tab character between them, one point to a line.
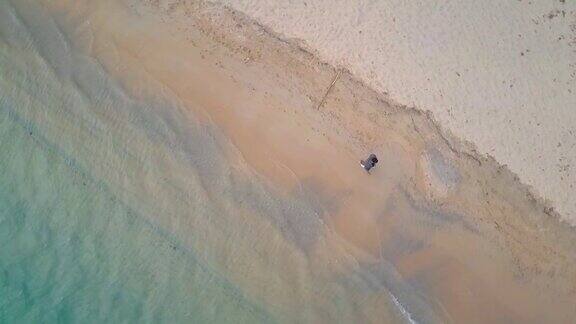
500	74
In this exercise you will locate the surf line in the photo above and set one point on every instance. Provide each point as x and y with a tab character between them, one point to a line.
402	309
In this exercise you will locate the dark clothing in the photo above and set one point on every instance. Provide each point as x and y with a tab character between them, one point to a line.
370	162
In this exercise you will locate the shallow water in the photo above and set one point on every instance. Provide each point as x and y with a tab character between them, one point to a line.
83	169
120	209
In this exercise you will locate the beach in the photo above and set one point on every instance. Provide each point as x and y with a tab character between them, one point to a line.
171	161
498	75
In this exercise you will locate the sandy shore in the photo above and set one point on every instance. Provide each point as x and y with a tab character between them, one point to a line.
452	235
498	74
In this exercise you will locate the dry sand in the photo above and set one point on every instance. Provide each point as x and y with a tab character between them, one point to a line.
452	235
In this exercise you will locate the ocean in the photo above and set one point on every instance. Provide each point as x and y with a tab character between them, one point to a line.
83	170
122	209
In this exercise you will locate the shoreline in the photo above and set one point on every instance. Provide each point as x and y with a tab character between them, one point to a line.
492	84
457	145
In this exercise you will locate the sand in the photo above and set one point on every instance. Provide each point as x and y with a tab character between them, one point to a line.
501	75
436	233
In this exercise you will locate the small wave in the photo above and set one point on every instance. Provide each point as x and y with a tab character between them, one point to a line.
403	310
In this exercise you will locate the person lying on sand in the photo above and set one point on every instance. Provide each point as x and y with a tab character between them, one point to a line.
369	163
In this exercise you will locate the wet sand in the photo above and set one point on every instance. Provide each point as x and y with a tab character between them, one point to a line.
437	231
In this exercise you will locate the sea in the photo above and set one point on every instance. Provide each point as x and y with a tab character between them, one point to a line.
116	208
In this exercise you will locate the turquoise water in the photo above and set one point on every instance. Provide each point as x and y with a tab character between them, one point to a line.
73	252
84	179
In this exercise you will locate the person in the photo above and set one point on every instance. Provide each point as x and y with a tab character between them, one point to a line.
369	163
